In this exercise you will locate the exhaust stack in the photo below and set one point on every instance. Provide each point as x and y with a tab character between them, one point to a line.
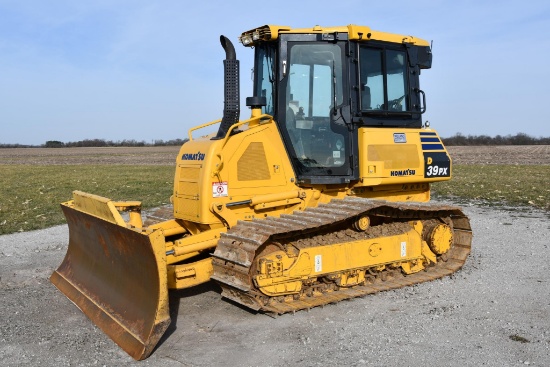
231	108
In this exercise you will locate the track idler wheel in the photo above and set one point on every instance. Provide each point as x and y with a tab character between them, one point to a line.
438	236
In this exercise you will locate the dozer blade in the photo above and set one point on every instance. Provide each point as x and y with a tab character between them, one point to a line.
115	274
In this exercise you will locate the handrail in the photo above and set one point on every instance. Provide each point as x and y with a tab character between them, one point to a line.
200	127
423	107
256	119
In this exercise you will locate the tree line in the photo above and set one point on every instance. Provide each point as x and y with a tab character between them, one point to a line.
518	139
456	140
99	143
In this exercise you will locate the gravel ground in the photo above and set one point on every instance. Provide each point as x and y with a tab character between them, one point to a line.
494	312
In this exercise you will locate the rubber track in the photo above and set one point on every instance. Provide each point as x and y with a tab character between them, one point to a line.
237	248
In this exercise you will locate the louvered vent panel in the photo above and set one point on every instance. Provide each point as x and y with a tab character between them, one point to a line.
253	164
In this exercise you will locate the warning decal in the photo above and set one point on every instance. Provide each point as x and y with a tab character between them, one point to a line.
219	189
318	263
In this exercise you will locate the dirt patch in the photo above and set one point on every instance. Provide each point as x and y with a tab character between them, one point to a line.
91	156
520	154
528	154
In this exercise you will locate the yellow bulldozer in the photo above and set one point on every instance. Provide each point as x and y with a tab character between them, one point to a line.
321	195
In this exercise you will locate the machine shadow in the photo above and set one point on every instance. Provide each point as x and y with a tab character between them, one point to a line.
175	297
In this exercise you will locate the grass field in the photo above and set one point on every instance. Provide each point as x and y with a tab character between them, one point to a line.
34	181
498	185
31	194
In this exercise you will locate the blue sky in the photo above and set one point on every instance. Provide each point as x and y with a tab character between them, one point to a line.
145	70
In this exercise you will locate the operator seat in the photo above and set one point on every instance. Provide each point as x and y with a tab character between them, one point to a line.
365	97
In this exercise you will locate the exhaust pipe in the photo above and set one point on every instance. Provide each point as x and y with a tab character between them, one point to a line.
231	104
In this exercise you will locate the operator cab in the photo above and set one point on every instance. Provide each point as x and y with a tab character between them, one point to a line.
321	85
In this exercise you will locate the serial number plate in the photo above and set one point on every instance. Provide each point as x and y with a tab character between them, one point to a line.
399	138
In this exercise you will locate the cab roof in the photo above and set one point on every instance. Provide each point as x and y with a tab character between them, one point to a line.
360	33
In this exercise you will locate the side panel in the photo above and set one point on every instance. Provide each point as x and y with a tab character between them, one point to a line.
224	173
195	160
401	156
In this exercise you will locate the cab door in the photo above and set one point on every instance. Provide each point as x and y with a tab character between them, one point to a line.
313	90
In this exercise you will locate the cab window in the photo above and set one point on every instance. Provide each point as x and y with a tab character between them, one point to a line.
314	89
383	74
